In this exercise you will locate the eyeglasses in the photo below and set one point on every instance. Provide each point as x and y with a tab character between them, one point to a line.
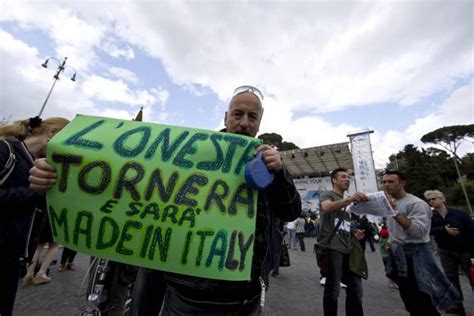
432	199
251	89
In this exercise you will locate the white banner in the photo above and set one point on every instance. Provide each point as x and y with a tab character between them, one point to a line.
364	169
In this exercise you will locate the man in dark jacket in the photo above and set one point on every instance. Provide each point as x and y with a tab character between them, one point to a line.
194	295
453	231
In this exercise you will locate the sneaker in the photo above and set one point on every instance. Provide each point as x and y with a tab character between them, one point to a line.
322	281
457	310
393	286
41	279
61	267
27	280
343	286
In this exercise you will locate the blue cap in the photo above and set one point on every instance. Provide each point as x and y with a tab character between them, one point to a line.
257	174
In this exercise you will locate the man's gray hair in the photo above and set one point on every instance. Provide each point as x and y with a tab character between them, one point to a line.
436	193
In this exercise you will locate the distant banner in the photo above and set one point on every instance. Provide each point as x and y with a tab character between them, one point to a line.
310	188
156	196
364	169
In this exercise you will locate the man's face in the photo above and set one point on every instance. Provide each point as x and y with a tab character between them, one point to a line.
244	115
342	180
435	201
392	184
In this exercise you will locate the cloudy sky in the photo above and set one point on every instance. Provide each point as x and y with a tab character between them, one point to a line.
327	68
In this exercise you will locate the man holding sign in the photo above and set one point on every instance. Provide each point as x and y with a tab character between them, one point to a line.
188	291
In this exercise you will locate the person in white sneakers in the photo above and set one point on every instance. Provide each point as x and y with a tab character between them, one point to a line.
334	216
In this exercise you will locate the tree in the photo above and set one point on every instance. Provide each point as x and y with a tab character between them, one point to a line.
468	165
276	140
450	137
425	169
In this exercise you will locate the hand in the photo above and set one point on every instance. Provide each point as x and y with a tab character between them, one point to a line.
359	234
453	231
358	197
393	202
271	157
42	175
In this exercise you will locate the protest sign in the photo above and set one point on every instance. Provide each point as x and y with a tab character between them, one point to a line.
163	197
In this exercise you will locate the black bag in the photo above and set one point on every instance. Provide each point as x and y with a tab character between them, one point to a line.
322	251
284	256
322	256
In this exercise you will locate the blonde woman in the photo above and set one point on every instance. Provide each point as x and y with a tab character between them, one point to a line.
21	142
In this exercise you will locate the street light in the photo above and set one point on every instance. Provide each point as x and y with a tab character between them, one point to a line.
59	70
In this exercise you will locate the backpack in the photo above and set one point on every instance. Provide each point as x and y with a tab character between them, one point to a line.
9	165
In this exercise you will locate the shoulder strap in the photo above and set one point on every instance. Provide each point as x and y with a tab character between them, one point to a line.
334	230
9	165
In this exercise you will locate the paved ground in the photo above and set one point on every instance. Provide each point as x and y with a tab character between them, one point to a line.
295	292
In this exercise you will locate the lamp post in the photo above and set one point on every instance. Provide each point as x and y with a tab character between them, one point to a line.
59	70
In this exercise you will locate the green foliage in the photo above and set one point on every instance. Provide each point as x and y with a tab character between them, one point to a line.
425	169
458	195
467	166
447	134
276	140
449	137
288	146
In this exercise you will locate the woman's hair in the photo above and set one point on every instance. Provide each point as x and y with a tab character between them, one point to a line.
30	127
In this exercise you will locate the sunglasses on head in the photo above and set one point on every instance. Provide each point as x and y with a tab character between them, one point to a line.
251	89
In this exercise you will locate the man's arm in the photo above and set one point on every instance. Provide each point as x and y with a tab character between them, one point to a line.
402	220
331	206
283	197
417	222
468	223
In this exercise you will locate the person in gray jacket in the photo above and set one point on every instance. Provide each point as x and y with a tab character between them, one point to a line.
423	287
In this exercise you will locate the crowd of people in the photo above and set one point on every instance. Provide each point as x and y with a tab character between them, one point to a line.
404	240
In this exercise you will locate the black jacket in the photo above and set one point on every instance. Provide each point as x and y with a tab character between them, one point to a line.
282	201
458	219
17	200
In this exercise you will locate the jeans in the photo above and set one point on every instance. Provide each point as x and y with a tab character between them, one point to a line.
291	238
300	237
451	261
339	271
370	240
417	303
176	305
415	266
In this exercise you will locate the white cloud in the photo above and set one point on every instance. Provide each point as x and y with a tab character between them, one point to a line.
104	89
124	74
357	54
457	109
113	50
